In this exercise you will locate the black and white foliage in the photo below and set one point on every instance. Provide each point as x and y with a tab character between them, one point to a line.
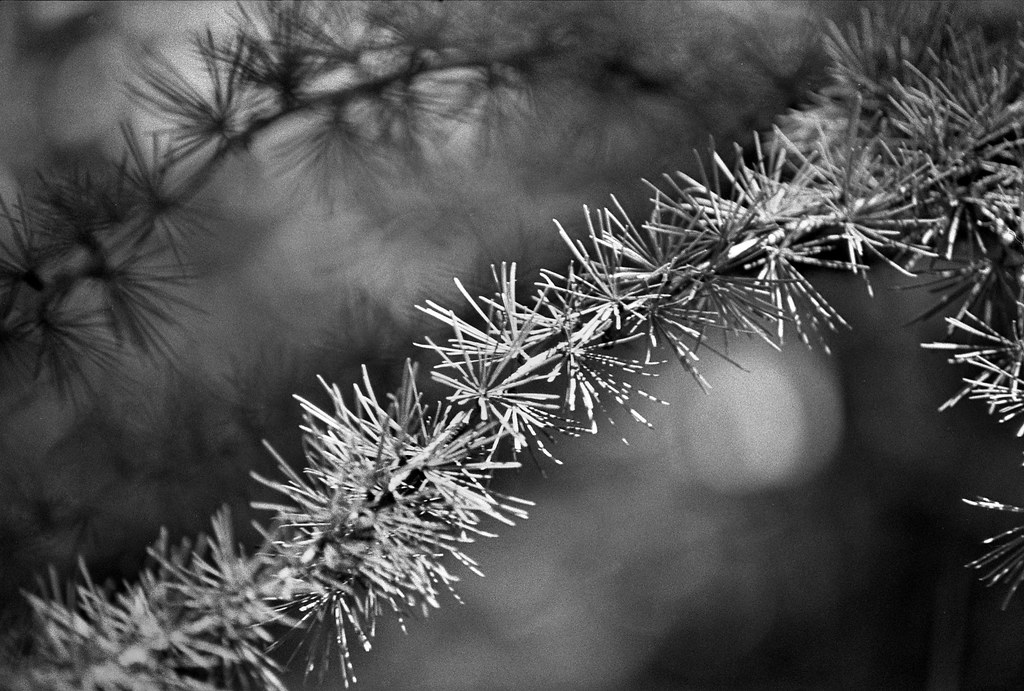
910	156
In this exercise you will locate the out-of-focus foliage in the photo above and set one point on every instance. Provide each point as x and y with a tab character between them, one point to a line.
345	97
233	295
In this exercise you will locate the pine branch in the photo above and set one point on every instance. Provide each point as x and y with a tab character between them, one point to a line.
952	118
918	167
196	619
354	92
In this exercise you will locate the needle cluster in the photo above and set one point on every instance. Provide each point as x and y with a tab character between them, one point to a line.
911	156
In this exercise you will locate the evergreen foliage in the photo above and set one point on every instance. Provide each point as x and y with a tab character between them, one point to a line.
911	155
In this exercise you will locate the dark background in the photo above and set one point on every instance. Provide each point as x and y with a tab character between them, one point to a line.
798	527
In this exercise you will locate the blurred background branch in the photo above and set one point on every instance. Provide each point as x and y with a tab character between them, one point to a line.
800	526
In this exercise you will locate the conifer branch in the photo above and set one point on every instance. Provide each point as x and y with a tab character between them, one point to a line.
912	158
197	619
948	105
